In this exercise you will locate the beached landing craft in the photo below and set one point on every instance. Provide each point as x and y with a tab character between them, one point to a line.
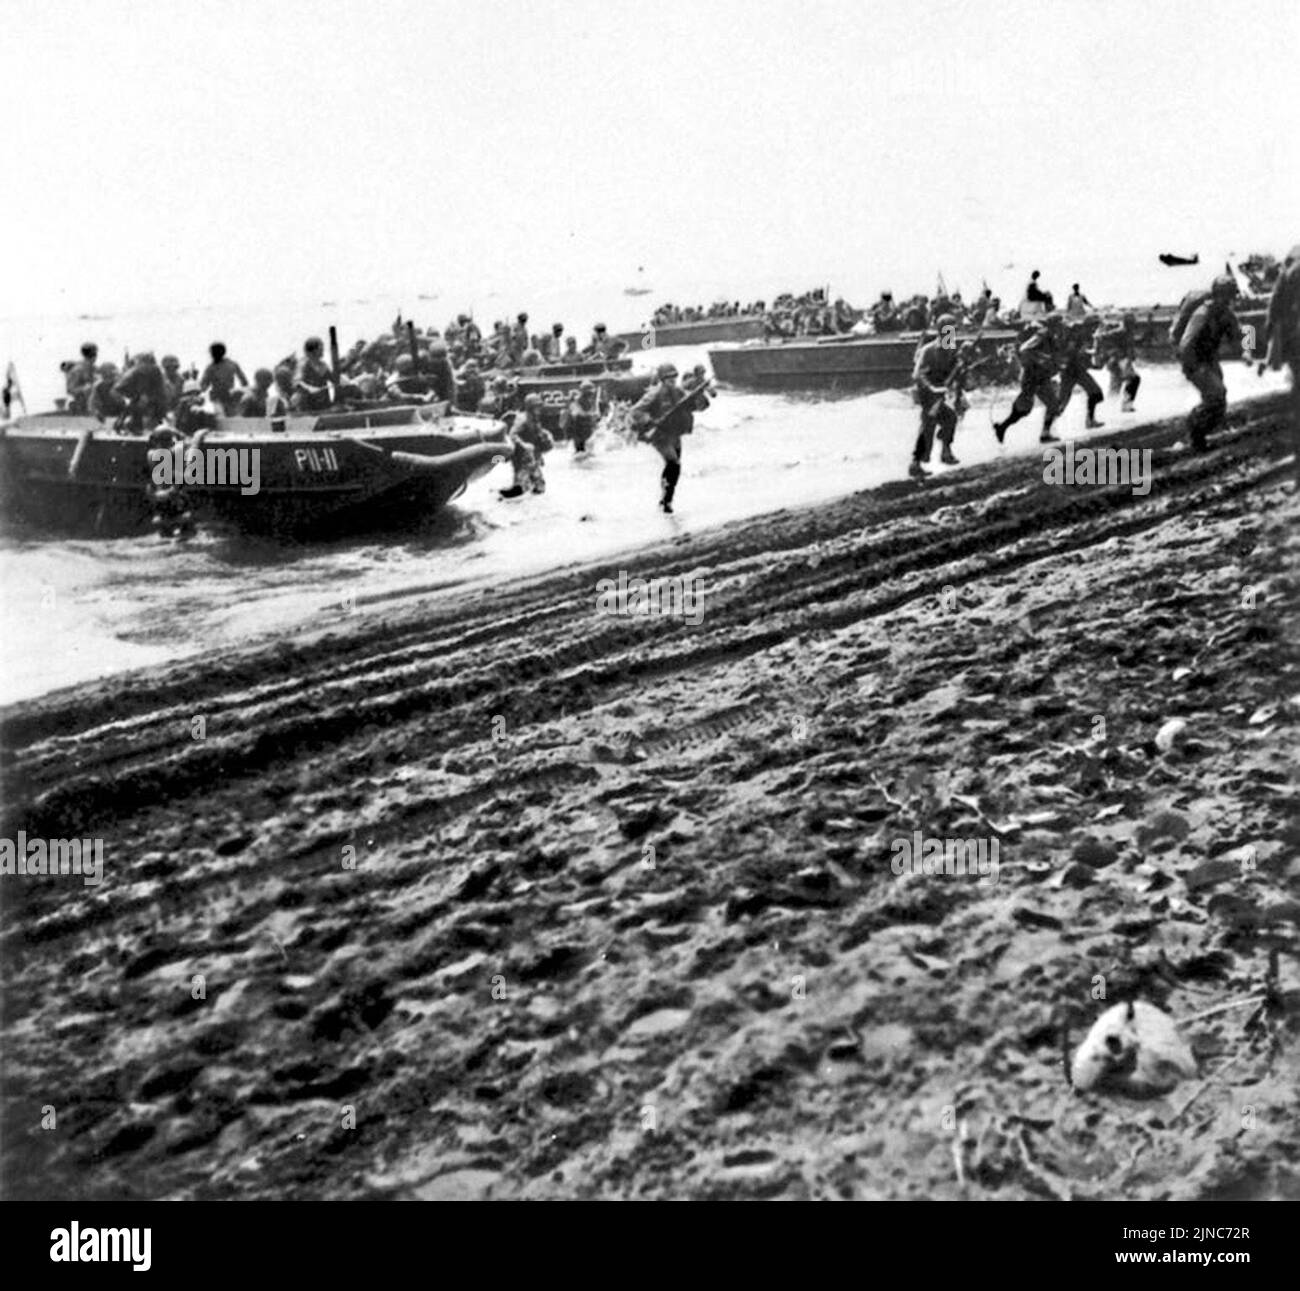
708	331
884	362
284	475
558	383
834	362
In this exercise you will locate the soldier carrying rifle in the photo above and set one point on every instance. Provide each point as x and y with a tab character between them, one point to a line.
663	415
941	371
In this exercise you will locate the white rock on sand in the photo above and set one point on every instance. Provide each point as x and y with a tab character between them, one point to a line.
1132	1048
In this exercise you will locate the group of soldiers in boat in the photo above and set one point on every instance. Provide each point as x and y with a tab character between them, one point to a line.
669	315
462	367
459	367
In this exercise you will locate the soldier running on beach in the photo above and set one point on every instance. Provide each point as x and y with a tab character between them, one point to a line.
662	416
1210	325
1076	360
1037	379
936	364
1115	345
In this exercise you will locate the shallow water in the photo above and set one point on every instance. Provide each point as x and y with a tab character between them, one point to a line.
75	610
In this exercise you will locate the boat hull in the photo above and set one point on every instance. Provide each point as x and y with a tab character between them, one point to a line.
711	331
861	363
556	392
885	362
292	475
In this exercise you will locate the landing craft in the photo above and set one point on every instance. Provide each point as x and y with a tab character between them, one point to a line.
707	331
834	362
316	472
885	361
558	384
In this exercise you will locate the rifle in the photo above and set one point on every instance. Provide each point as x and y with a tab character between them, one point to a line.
646	432
965	367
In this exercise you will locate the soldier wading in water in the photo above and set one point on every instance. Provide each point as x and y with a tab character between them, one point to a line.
530	441
662	416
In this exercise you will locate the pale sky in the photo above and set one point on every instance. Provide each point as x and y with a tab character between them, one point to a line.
199	152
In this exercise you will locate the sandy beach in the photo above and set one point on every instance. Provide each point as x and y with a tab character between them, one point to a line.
514	898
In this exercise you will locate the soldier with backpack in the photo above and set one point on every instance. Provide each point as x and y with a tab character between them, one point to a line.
1199	339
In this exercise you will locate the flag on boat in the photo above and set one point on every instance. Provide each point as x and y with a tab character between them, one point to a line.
13	392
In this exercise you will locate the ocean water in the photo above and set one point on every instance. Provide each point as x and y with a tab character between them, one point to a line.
75	610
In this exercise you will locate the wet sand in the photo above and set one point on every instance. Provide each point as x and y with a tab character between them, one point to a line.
623	921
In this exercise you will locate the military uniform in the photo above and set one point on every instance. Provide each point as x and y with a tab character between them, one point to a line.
407	387
1037	381
582	416
1117	350
935	365
104	400
1198	351
313	372
530	441
81	378
553	345
1075	371
145	392
441	375
668	404
470	389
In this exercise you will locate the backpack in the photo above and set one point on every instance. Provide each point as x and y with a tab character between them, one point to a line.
1190	304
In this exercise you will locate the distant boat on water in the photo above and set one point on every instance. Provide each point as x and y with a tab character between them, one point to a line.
640	289
94	318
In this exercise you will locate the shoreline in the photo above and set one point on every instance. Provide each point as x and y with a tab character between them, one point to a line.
139	604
